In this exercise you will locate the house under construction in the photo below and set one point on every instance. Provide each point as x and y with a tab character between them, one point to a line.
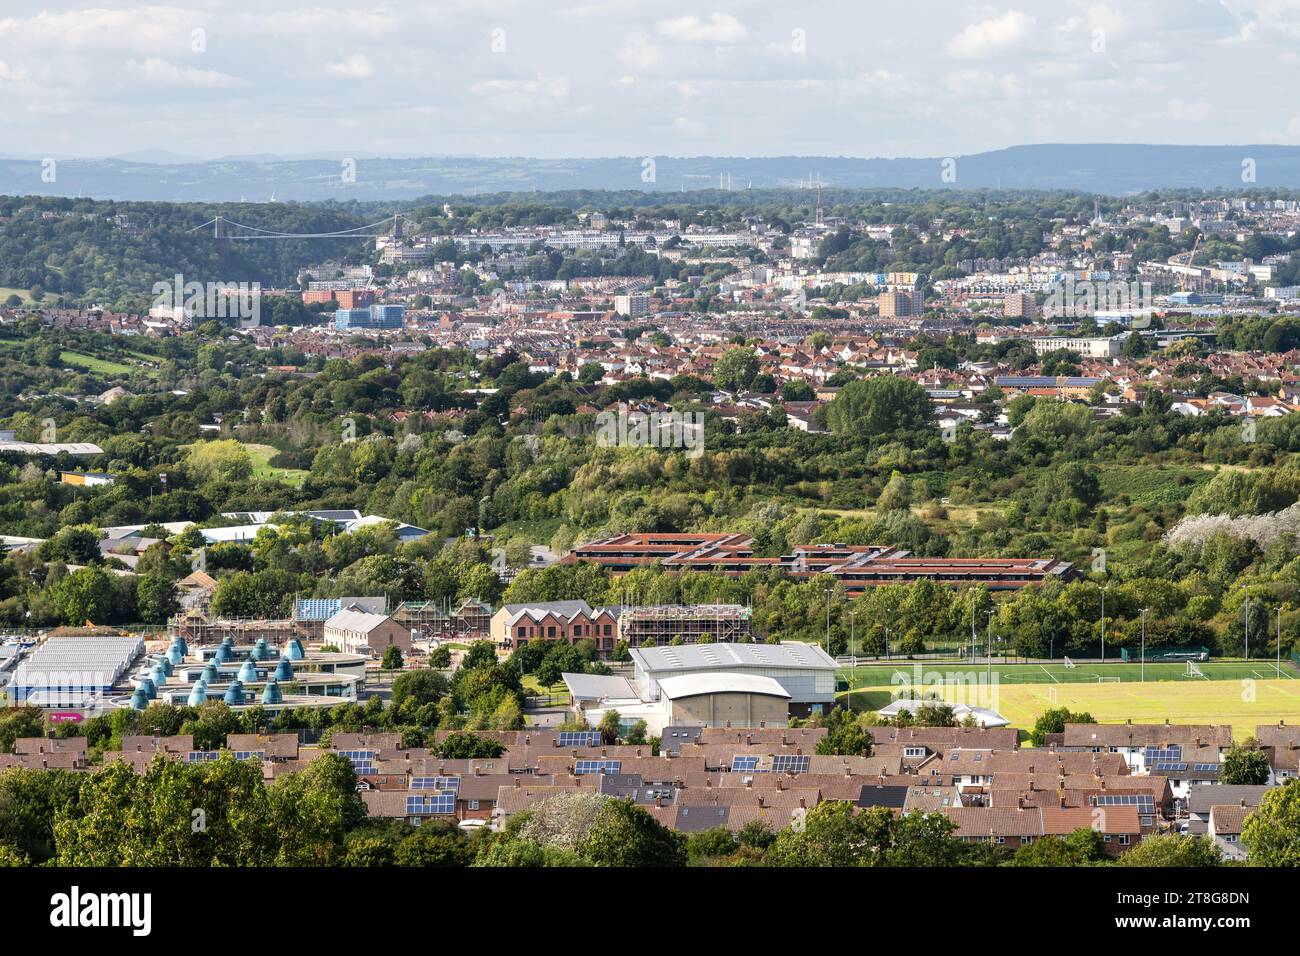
656	625
471	620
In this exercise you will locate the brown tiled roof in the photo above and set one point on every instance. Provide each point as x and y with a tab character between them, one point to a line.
51	745
1229	819
1147	735
1065	820
996	822
384	744
778	818
943	739
281	746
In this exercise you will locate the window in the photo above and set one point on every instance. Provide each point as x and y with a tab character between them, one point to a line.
473	804
1106	838
1123	839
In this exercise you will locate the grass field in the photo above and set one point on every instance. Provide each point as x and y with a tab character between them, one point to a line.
886	675
262	455
1243	695
101	366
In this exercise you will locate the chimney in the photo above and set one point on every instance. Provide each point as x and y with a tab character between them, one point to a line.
803	804
516	783
749	783
761	804
762	724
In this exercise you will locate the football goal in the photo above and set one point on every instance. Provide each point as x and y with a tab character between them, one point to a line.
1194	671
1069	664
1103	679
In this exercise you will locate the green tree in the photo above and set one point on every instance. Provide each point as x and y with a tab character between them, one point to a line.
624	834
1272	833
155	598
735	369
1173	850
1245	766
885	404
1053	721
85	594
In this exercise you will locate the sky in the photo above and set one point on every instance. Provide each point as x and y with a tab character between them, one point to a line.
594	78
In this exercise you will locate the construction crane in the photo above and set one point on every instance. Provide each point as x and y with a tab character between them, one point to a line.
1191	259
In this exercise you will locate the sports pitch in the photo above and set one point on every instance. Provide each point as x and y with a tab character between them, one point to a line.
903	673
1242	694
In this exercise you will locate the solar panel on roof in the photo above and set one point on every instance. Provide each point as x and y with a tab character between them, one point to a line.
1167	767
597	766
1143	801
1206	767
791	763
580	738
451	784
432	803
1172	753
743	763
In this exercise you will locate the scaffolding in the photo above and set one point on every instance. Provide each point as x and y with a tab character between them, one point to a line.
657	625
471	620
197	629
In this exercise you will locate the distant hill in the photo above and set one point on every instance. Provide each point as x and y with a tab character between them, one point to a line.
1115	169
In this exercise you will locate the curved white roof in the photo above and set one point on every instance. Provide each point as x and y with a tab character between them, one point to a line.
692	685
725	656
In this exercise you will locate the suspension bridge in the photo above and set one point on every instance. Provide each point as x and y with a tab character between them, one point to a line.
224	228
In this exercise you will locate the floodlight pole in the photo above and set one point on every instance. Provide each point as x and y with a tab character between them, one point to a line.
1279	643
988	652
1103	625
1248	626
828	622
853	633
1144	644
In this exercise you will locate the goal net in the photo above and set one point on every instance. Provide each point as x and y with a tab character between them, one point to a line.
1193	670
1070	664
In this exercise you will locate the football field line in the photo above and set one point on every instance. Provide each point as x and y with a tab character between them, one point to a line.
1049	673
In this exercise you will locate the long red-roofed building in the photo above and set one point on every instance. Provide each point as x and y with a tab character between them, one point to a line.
857	567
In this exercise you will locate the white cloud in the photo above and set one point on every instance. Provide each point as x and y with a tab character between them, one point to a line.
166	73
355	67
720	28
992	36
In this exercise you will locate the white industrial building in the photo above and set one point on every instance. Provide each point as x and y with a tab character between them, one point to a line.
804	671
